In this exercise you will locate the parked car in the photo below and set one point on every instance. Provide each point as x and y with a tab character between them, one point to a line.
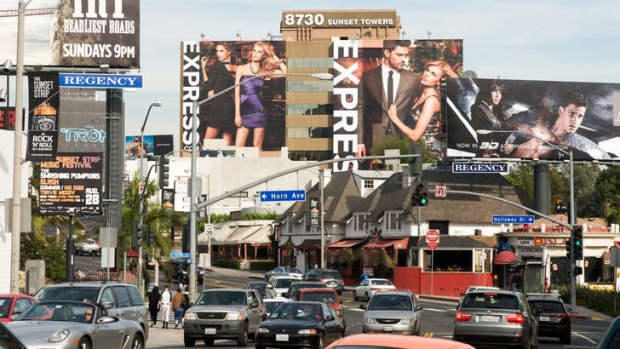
278	286
367	288
325	295
499	318
260	286
553	318
119	299
272	303
232	313
293	290
14	304
299	324
284	271
392	312
8	339
329	277
395	341
611	338
65	325
88	246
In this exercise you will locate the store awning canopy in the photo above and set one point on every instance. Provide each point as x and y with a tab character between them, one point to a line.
345	243
505	257
310	244
131	253
398	244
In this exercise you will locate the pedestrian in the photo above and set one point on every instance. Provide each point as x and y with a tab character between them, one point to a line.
166	298
177	305
79	275
154	298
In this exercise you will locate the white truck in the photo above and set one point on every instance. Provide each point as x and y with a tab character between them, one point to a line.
88	246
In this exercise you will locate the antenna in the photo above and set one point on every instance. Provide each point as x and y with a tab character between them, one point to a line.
238	35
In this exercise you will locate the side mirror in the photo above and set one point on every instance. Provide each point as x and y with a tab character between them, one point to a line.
329	318
418	308
254	305
14	316
107	320
107	305
570	309
270	287
364	306
191	304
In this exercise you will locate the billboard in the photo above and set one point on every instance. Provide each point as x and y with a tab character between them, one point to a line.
153	145
533	119
387	93
82	121
255	115
71	185
43	101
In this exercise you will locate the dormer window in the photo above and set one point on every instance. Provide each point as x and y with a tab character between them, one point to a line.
392	221
369	184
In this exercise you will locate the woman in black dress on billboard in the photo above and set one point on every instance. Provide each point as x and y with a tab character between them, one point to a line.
488	113
221	110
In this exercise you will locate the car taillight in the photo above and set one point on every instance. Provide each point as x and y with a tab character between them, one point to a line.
516	319
340	312
563	316
375	289
462	317
320	279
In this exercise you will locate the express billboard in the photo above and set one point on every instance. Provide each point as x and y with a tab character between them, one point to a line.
387	94
533	119
251	116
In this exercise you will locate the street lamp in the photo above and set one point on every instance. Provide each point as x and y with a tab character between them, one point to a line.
573	282
141	192
192	192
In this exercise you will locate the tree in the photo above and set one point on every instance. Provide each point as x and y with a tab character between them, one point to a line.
605	193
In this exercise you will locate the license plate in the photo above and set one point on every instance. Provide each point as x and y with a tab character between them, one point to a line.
209	330
544	318
281	337
489	318
387	328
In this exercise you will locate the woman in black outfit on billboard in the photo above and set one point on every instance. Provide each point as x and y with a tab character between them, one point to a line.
488	113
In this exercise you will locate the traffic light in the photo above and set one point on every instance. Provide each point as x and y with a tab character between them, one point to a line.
420	195
139	235
578	271
164	168
134	226
578	241
415	164
568	242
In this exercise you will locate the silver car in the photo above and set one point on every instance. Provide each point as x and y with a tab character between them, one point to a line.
63	324
392	312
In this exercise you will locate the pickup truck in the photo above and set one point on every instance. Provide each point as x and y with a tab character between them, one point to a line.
88	246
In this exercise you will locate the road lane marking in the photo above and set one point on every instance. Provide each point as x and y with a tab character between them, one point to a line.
584	337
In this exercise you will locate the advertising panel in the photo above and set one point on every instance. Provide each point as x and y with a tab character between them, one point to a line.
375	110
82	121
71	185
153	145
252	115
44	102
533	119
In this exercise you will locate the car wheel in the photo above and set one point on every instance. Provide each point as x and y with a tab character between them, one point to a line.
367	297
138	342
189	342
242	339
355	297
526	343
565	338
209	342
259	346
84	343
321	343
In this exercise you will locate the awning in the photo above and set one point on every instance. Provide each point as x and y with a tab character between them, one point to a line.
345	243
311	244
131	253
398	244
505	257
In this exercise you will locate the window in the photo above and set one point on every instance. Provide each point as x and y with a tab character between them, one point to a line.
360	221
392	221
307	221
369	184
442	226
122	296
108	297
134	294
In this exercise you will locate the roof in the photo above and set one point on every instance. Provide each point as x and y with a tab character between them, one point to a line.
399	244
240	232
309	244
345	243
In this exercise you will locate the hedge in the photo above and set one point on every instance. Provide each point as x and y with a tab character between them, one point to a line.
597	300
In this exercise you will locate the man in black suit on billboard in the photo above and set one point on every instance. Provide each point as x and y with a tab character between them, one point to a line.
381	87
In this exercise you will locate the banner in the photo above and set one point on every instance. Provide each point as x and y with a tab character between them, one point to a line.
82	122
533	119
371	76
71	185
43	102
167	198
153	145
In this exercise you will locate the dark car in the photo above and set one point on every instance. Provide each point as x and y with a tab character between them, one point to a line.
260	286
284	271
8	340
495	318
553	319
180	271
299	324
611	338
330	277
293	290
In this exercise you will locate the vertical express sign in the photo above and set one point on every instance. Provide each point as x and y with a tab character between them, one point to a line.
43	103
190	82
71	185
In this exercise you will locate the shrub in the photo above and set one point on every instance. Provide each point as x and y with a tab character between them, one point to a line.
224	263
262	265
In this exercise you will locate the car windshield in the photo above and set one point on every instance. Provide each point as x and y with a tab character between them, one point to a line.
381	282
292	270
295	311
390	302
284	283
261	287
68	293
222	298
325	297
59	311
271	306
331	274
490	301
5	307
547	306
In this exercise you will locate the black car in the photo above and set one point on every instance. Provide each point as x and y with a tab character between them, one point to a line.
299	324
8	340
293	290
553	319
260	286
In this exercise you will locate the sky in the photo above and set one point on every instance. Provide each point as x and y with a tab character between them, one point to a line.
555	40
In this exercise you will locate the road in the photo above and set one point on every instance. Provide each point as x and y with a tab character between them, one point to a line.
437	322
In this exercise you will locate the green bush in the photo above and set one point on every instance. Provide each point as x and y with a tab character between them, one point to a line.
223	263
262	265
597	300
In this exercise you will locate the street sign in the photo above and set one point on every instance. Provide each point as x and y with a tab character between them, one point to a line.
513	219
432	237
491	167
209	229
77	80
440	191
179	255
283	195
432	246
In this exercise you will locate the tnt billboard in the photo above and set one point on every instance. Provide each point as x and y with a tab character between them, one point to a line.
533	119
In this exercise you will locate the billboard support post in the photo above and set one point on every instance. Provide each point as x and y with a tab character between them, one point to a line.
573	281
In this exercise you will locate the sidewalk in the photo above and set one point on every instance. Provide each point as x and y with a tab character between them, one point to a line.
577	312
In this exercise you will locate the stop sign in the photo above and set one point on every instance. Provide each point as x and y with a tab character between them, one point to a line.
432	237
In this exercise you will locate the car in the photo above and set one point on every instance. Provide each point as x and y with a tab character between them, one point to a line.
284	271
88	246
395	311
395	341
64	324
180	273
499	318
367	288
8	339
278	286
14	304
553	318
260	286
299	324
326	295
477	288
293	290
272	303
611	337
119	299
232	313
329	277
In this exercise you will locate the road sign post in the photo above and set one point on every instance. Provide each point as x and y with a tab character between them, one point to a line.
440	191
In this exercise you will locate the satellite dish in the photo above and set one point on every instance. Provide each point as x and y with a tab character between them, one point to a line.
469	74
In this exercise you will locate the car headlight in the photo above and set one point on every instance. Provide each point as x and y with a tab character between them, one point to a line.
234	315
369	320
59	336
262	330
409	321
190	316
307	331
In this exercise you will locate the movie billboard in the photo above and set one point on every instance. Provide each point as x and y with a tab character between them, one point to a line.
387	94
252	115
153	145
82	121
527	119
44	102
74	33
